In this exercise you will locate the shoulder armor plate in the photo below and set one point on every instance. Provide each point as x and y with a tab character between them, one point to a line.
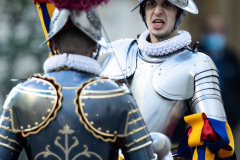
125	50
99	101
33	104
174	78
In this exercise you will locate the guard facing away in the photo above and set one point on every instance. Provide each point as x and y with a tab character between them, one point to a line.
168	78
70	112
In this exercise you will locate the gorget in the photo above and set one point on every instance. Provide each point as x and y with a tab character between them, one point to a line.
166	47
73	61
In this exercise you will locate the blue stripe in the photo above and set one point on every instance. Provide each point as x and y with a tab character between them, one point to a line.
220	128
46	16
201	150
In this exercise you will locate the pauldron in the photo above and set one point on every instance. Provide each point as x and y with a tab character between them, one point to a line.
104	94
121	59
24	103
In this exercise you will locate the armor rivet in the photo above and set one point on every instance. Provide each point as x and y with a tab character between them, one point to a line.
94	84
99	129
53	102
29	126
21	127
36	123
83	104
86	114
44	84
115	132
92	123
97	115
50	88
129	102
43	118
49	110
102	82
107	131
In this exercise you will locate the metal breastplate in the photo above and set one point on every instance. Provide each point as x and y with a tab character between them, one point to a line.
160	114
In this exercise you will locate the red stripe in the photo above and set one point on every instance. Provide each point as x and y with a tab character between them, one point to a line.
40	1
208	133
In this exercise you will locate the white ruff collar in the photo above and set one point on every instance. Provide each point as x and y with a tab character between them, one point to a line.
175	43
77	62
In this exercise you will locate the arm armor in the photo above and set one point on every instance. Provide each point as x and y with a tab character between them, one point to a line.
193	76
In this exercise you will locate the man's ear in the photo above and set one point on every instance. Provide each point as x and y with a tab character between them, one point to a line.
94	48
54	45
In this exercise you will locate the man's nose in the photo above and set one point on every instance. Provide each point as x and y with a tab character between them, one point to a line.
158	9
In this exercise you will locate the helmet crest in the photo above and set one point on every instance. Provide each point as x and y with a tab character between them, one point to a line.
78	4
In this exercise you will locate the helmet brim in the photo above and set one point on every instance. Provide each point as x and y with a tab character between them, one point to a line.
191	8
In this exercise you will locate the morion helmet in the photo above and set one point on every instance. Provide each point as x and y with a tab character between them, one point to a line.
183	5
82	14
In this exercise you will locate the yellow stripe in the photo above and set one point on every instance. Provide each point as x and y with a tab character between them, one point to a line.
41	19
196	121
224	153
120	157
209	155
50	8
195	154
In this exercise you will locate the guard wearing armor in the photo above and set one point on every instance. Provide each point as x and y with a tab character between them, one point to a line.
167	78
70	112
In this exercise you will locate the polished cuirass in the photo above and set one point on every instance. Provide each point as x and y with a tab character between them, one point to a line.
165	87
87	117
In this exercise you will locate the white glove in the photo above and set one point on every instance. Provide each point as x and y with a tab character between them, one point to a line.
161	146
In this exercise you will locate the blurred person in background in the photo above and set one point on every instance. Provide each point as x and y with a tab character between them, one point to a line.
214	43
167	77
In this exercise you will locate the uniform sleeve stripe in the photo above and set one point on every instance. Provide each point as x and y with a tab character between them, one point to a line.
140	147
135	120
7	128
136	130
137	140
8	139
5	118
7	146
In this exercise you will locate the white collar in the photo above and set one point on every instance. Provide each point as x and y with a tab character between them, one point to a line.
77	62
168	46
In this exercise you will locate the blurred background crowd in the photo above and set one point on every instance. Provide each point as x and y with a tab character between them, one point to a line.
216	27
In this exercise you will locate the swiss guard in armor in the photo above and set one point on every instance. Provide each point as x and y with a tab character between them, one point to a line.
70	113
170	80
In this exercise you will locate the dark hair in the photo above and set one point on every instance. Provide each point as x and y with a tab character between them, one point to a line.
73	40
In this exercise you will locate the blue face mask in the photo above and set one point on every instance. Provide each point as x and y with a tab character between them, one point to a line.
215	42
